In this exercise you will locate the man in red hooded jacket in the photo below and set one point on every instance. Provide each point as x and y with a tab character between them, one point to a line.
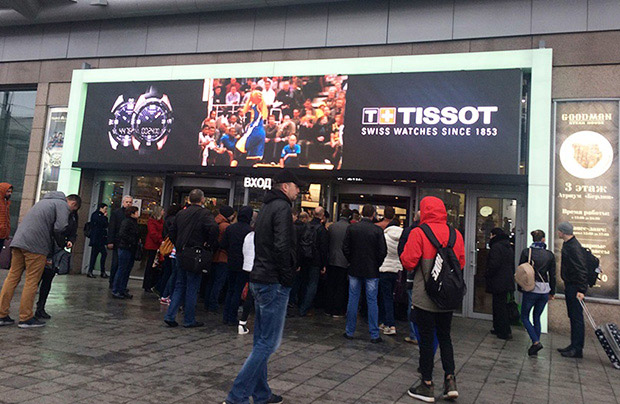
419	256
6	190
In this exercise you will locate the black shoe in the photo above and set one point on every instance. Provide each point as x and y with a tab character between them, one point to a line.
376	340
127	295
347	336
573	353
275	399
195	325
505	337
118	295
449	388
172	323
422	392
533	351
568	348
41	313
104	275
90	275
32	323
493	332
6	321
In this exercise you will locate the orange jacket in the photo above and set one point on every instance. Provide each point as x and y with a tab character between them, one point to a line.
5	215
223	223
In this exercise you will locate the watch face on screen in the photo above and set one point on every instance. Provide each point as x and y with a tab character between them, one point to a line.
120	123
151	121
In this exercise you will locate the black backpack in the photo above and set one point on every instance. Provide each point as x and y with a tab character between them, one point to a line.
592	265
445	286
307	241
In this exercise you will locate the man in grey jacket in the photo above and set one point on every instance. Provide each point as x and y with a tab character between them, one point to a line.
33	242
337	282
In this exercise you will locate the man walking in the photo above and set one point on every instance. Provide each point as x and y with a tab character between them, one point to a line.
192	227
365	248
31	245
270	283
314	249
575	276
115	225
6	190
337	282
98	239
419	255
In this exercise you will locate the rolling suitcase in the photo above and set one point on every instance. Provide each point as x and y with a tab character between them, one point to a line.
608	335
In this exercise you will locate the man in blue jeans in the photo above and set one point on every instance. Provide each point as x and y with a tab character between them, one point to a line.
365	248
192	227
270	283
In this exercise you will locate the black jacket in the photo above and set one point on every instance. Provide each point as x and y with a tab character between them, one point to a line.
500	275
167	223
274	241
194	226
365	248
116	219
336	233
128	235
234	236
321	247
98	229
573	267
401	247
544	265
299	227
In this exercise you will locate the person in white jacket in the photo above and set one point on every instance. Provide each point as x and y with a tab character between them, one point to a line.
387	279
248	264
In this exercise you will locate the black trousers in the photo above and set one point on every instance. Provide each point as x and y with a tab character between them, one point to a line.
248	305
501	322
114	266
575	314
94	253
150	274
44	287
337	293
429	322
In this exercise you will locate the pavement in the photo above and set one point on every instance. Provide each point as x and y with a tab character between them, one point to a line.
96	349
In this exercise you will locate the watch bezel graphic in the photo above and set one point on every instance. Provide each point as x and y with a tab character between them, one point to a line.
119	109
151	103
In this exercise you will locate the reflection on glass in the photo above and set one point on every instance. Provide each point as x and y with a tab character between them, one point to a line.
490	213
111	193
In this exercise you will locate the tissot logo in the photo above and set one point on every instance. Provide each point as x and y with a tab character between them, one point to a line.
381	116
467	115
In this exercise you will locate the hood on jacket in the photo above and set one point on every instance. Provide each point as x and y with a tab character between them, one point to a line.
219	219
55	195
433	210
393	233
499	238
245	214
274	194
4	186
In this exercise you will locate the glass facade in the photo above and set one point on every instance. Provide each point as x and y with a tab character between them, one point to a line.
16	114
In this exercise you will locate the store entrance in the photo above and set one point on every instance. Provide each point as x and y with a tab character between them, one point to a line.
356	202
214	197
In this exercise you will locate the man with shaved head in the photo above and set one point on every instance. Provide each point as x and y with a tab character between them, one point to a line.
314	252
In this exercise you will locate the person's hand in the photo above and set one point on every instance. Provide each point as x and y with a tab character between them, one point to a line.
323	271
580	296
69	244
551	297
320	138
110	246
298	269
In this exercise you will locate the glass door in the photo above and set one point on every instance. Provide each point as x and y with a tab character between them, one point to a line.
485	211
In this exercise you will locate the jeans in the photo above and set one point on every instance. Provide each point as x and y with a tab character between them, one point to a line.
166	270
337	285
45	286
236	282
270	302
215	282
428	323
387	281
125	264
537	301
310	284
114	266
248	305
501	322
172	280
296	289
355	290
94	253
186	294
575	314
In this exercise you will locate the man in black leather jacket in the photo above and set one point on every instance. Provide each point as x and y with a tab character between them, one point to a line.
575	276
270	283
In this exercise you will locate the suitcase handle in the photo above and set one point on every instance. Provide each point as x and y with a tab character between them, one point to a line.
588	314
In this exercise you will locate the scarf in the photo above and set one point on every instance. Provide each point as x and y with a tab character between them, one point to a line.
539	244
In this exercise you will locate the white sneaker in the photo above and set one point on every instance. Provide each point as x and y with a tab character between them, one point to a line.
242	329
389	331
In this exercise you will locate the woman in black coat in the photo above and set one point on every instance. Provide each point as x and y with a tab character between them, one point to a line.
98	239
500	280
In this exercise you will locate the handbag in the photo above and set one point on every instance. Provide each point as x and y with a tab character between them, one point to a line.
166	247
514	316
525	274
195	259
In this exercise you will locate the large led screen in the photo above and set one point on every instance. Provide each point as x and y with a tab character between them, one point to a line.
466	122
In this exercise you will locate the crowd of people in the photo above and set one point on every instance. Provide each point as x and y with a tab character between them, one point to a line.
272	261
285	121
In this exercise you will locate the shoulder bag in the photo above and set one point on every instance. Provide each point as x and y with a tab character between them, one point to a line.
194	259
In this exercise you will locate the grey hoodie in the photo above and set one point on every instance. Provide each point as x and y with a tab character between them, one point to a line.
43	224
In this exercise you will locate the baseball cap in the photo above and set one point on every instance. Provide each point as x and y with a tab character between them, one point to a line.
288	176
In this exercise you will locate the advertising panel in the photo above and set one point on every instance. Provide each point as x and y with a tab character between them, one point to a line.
52	151
465	122
586	141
